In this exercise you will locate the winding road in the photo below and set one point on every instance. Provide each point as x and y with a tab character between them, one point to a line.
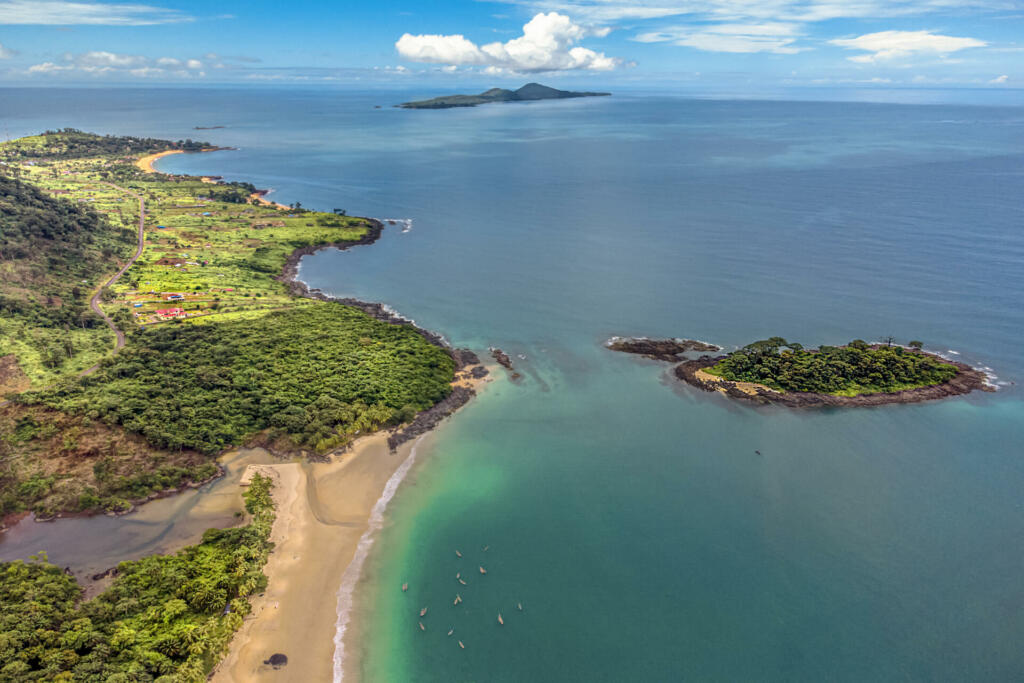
94	302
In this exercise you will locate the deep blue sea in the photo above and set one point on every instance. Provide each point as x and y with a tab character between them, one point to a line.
630	516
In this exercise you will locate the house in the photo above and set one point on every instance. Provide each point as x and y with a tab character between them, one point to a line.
174	297
167	313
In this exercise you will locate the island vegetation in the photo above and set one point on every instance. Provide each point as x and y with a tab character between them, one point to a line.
775	370
164	618
856	368
530	92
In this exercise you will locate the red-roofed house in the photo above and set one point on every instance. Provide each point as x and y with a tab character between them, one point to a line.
171	313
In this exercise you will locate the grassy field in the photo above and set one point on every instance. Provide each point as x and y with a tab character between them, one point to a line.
203	256
218	351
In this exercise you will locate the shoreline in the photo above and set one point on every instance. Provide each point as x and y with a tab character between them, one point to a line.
328	517
146	163
966	381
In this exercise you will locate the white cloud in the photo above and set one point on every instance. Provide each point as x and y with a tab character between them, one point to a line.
6	52
549	43
773	37
611	11
999	80
889	45
60	13
436	49
106	59
99	63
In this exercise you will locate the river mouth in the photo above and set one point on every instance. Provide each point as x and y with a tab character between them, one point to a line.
88	546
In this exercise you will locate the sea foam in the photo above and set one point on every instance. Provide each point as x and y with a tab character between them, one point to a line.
346	592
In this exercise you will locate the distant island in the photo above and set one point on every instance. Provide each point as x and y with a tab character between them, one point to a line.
530	92
778	371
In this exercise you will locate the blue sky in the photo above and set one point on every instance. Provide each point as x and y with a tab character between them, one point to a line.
735	43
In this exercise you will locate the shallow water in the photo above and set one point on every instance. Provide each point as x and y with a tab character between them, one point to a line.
90	545
629	515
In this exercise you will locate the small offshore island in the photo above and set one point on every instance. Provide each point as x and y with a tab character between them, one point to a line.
778	371
531	92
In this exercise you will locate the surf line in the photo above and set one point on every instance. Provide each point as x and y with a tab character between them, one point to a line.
346	592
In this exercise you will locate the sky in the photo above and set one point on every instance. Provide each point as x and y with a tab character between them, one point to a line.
450	43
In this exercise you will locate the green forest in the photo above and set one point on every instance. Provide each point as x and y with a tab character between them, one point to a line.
165	618
70	143
315	375
857	368
52	252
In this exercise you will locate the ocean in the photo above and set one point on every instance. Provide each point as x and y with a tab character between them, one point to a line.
630	516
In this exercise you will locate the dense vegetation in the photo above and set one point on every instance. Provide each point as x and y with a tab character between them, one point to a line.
53	462
52	252
70	143
315	375
857	368
165	618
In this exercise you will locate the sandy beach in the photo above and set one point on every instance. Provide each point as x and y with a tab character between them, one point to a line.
146	162
260	199
323	509
750	388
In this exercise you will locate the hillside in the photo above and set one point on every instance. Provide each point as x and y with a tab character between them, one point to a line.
53	253
530	92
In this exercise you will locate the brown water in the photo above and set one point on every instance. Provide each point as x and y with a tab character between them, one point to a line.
90	545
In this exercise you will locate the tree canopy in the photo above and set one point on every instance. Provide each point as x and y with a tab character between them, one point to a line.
857	368
318	375
165	618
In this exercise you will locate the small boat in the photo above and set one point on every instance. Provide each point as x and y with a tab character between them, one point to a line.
458	553
451	632
422	627
463	582
405	587
486	547
461	645
500	620
458	599
519	605
458	575
423	612
758	452
482	570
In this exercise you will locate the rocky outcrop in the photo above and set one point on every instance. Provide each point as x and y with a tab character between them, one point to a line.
431	417
505	361
669	350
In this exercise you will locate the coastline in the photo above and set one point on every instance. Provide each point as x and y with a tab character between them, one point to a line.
328	514
966	381
146	162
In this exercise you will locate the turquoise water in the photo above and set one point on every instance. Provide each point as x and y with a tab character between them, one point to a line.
631	516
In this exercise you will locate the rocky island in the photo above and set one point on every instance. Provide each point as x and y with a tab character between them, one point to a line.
668	350
778	371
530	92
